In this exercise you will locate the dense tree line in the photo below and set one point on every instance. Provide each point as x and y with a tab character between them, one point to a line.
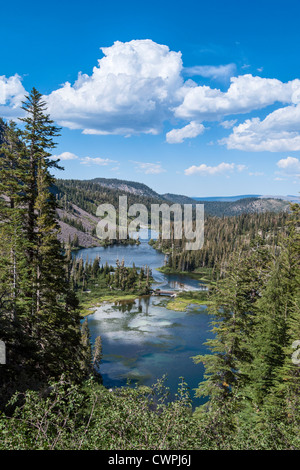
219	241
105	189
74	223
89	195
251	378
39	316
223	236
248	205
83	275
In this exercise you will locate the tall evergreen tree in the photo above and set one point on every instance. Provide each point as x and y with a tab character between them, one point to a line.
38	309
234	310
39	131
55	325
275	379
14	274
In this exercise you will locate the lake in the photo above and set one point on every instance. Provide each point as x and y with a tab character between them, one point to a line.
142	340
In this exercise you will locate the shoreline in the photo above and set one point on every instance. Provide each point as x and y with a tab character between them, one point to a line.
181	302
178	304
88	307
199	276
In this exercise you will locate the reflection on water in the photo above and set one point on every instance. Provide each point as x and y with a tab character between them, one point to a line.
141	255
142	340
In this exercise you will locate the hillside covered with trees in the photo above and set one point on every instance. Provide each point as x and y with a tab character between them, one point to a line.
50	386
78	201
223	236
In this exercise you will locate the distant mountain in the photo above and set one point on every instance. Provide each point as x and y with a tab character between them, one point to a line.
244	206
178	199
79	199
289	198
284	198
132	187
232	205
88	194
227	198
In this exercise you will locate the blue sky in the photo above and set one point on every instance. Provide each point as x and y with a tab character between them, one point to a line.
196	98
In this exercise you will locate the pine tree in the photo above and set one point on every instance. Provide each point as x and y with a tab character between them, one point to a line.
97	357
38	134
13	198
14	273
288	385
87	349
275	379
41	319
96	267
234	311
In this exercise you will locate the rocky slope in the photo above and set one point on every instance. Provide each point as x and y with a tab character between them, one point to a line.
77	226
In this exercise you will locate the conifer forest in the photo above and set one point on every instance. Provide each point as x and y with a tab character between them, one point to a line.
53	394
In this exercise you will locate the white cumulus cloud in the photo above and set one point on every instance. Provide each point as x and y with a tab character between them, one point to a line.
130	91
291	163
289	166
191	130
205	170
138	85
246	93
12	94
65	156
278	132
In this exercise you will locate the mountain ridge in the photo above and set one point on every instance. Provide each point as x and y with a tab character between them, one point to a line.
79	199
141	189
288	197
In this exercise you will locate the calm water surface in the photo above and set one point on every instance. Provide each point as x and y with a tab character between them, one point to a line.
142	340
